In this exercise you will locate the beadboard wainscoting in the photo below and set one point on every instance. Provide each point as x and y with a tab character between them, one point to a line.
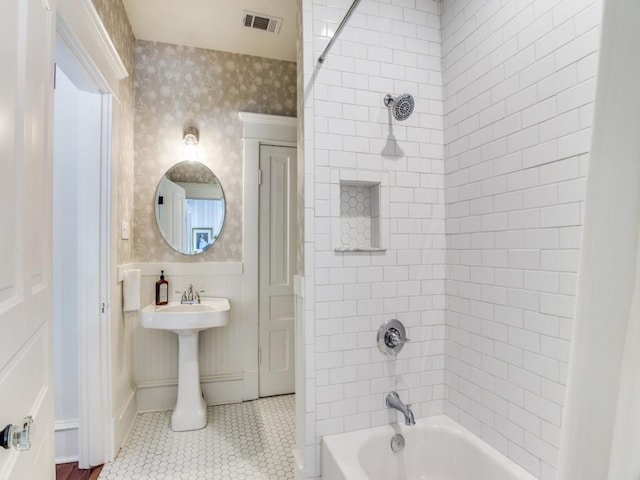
228	355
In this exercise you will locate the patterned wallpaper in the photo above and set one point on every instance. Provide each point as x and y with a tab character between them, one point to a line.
186	173
178	86
114	18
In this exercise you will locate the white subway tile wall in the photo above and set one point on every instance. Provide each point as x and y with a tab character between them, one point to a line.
388	47
519	82
488	238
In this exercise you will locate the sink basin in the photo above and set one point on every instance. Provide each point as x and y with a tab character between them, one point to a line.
187	321
180	318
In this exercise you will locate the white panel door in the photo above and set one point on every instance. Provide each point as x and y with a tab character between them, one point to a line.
26	99
277	264
179	207
171	213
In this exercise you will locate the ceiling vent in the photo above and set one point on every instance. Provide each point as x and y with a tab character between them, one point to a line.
260	21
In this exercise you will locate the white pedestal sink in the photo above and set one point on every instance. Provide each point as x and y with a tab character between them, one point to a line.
187	320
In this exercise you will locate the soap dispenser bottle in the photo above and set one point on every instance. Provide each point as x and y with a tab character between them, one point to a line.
162	290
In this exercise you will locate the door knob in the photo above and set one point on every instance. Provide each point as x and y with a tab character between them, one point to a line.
17	436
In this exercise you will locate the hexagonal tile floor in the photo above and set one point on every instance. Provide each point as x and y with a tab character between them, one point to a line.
243	441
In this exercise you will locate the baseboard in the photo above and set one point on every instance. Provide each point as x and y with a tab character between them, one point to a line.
250	389
162	395
67	439
123	421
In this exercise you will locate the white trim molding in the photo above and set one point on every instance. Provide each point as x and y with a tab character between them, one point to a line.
80	28
124	418
162	394
183	269
301	392
84	48
258	129
67	439
268	128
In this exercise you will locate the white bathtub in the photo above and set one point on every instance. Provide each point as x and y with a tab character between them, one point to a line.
436	448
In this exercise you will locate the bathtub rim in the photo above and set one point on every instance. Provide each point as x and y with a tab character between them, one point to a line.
342	446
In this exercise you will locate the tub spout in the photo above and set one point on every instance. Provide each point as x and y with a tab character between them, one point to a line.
393	401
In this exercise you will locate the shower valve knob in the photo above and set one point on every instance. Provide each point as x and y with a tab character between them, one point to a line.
391	337
17	436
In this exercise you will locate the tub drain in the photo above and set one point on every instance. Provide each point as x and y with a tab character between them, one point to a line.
397	442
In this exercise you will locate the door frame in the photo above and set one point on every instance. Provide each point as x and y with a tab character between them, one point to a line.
257	129
265	322
83	43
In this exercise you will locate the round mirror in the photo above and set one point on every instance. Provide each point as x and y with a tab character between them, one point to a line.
190	207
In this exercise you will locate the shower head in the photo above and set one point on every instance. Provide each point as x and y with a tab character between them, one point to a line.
401	106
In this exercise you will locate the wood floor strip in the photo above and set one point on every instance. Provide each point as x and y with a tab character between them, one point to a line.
64	470
70	471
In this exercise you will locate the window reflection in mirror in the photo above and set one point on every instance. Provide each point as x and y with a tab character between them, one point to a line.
190	207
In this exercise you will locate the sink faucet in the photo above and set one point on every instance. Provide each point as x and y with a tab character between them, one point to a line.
393	401
190	296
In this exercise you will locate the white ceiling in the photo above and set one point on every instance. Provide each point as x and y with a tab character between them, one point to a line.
216	25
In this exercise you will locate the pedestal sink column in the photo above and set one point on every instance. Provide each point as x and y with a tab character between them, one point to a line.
186	320
191	409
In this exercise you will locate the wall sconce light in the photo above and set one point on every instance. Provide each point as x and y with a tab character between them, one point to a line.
190	139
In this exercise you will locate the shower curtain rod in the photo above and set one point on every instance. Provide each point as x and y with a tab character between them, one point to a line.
344	21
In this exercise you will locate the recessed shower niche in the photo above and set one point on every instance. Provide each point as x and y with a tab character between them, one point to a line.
360	214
